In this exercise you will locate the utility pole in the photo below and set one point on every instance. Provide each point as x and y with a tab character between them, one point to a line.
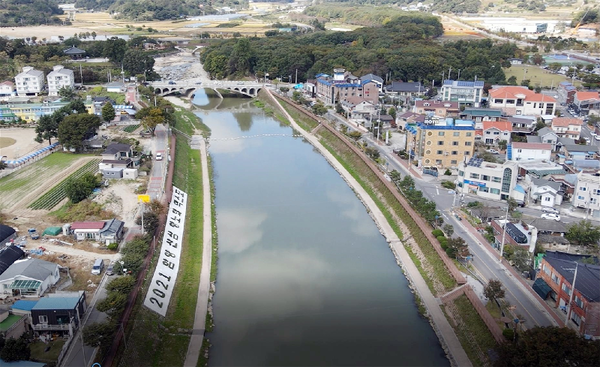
81	74
449	73
296	77
571	296
504	234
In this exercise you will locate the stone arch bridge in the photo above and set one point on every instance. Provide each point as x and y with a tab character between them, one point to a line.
249	89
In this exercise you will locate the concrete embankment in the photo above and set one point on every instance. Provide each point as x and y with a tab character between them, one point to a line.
440	324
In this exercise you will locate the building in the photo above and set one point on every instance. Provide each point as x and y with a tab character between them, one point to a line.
481	114
544	192
30	82
29	278
586	101
587	193
372	78
441	143
108	232
58	312
522	125
436	108
31	112
463	92
116	87
7	234
567	127
74	52
566	93
556	281
487	180
7	89
59	78
496	131
580	152
344	86
517	151
521	101
8	256
544	135
405	90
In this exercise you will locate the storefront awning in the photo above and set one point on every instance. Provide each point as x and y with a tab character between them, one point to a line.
541	288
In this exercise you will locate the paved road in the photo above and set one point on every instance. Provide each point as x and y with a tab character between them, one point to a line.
485	263
159	168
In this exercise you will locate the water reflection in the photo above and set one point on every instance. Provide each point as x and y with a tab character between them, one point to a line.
243	228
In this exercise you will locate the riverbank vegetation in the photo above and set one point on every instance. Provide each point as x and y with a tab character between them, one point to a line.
154	340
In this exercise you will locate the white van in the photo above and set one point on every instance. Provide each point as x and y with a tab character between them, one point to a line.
98	266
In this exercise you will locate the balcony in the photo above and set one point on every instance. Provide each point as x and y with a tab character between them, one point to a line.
42	327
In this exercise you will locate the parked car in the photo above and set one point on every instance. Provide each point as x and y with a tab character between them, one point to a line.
493	151
171	82
587	140
159	157
597	137
110	269
552	216
547	209
33	234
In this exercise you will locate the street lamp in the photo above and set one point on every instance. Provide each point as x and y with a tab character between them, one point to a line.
503	234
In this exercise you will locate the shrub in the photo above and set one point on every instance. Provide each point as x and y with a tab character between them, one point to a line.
113	246
437	232
509	334
448	185
448	172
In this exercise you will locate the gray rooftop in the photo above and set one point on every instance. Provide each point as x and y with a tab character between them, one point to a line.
31	268
116	148
542	182
547	225
588	276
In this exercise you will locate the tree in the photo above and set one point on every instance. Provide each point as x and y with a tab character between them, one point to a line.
99	334
2	165
448	230
355	135
67	94
74	129
512	205
583	233
122	285
113	305
540	124
78	189
319	109
15	350
392	112
549	346
47	128
137	62
502	144
152	118
150	221
493	290
457	248
108	112
372	152
114	49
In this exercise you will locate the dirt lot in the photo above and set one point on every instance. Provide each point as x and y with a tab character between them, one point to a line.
24	142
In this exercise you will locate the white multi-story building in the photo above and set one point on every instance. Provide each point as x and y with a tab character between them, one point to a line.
59	78
463	92
587	193
521	101
567	127
489	180
30	81
529	151
7	89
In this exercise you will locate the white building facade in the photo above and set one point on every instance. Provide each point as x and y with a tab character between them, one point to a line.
587	193
464	92
516	101
488	180
529	152
59	78
30	81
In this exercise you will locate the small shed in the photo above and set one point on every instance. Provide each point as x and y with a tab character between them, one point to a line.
130	173
52	231
112	173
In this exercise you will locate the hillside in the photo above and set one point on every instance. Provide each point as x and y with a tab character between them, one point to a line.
159	9
28	12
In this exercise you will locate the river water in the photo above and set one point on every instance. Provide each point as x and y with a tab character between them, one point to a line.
304	276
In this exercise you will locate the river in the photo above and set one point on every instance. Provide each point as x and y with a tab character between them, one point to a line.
304	276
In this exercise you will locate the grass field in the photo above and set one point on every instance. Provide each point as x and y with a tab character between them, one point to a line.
20	183
537	76
37	350
6	142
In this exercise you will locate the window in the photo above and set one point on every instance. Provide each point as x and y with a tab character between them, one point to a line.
546	269
456	133
485	177
455	143
441	133
43	319
547	198
439	152
496	179
461	173
498	100
428	151
475	175
583	188
467	152
495	191
566	288
453	161
578	302
438	161
576	318
440	142
554	278
506	178
455	152
468	143
469	134
496	132
580	197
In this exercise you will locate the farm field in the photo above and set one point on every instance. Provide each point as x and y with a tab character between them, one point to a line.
47	171
58	193
537	76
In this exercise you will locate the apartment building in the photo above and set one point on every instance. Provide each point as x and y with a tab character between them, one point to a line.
518	151
587	101
436	108
442	143
344	86
521	101
587	193
59	78
30	82
556	281
566	93
488	180
463	92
